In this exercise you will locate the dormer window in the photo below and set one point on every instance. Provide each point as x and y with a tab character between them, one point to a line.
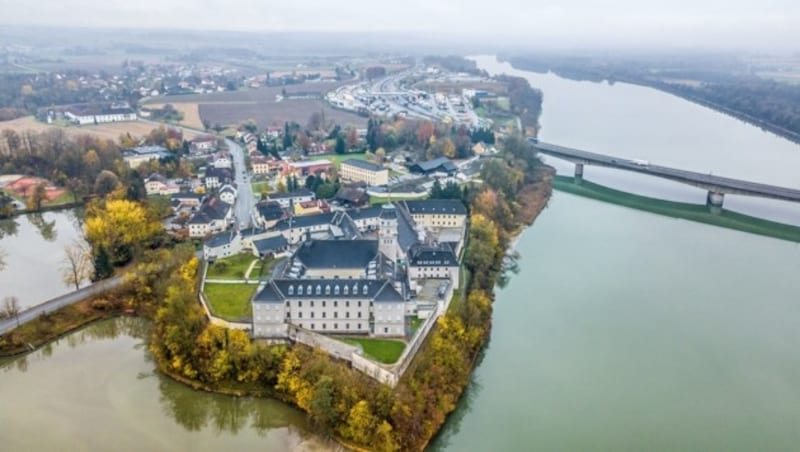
319	289
308	291
299	290
336	290
346	290
355	288
291	290
327	290
366	289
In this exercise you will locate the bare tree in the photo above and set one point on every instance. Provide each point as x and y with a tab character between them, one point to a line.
78	264
10	308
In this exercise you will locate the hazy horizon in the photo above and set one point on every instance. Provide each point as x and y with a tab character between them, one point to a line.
680	24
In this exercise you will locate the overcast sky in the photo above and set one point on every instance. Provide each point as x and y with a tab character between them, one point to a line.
685	23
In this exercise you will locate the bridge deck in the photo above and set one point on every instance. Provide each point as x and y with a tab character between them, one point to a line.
717	183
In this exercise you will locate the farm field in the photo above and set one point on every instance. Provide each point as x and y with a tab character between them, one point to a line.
275	114
191	113
110	131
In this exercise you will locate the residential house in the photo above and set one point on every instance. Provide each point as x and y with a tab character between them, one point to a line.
228	194
141	154
214	216
287	199
157	184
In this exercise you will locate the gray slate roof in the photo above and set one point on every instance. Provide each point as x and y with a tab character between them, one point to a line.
378	290
433	256
301	193
221	239
436	206
270	244
363	164
437	164
322	254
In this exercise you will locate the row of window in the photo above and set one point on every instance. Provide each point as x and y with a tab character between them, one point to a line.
345	290
313	326
324	314
324	304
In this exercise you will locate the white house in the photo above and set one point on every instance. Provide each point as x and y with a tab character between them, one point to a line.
214	216
228	194
223	162
286	199
157	184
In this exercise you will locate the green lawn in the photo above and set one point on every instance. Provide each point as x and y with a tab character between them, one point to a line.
382	350
337	159
64	198
259	187
230	301
414	323
233	267
266	267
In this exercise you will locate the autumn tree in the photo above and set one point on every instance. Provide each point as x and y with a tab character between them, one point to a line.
352	138
38	196
77	265
105	183
120	226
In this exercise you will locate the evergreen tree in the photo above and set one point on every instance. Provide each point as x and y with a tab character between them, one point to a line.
287	137
102	264
340	146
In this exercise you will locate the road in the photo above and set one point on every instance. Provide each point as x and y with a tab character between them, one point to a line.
59	302
245	201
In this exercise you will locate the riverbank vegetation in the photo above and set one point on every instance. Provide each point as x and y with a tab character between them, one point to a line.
694	212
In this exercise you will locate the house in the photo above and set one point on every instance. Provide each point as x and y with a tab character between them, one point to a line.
222	161
222	245
228	194
217	177
99	113
157	184
308	167
354	170
141	154
269	213
270	246
214	216
287	199
187	199
437	165
261	165
203	145
311	207
352	196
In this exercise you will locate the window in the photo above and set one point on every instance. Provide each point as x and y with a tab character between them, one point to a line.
323	304
335	315
312	314
312	325
319	289
355	289
359	314
365	289
327	290
299	304
336	290
299	315
347	326
385	330
287	314
312	303
346	290
359	326
335	304
299	290
347	304
359	304
324	314
324	326
291	290
335	326
347	315
308	289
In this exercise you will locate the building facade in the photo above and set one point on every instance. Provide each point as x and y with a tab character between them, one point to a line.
362	171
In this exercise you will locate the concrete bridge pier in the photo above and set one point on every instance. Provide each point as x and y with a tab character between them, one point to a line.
715	200
578	171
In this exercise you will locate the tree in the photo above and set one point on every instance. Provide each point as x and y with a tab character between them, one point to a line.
105	183
77	264
352	138
340	145
281	188
322	410
250	126
380	155
38	196
326	190
120	226
10	308
102	264
287	137
316	121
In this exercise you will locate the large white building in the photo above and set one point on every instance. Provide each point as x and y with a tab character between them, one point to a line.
98	114
362	171
339	282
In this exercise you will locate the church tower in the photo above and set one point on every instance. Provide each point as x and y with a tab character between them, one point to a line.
387	232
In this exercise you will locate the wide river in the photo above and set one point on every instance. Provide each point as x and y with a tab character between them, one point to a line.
623	330
626	330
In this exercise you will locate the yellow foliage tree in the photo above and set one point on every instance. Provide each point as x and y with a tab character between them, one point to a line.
120	224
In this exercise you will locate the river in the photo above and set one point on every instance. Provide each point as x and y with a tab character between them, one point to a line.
33	249
97	389
626	330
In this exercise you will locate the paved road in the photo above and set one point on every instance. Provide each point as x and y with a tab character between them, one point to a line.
245	201
59	302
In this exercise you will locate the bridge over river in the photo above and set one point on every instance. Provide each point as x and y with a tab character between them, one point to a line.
717	186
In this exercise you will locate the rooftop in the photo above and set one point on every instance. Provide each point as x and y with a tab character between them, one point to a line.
363	164
277	290
330	254
440	206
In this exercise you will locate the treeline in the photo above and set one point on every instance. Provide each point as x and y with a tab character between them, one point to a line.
428	139
341	401
454	63
526	101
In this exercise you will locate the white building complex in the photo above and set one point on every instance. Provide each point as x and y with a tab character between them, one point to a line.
356	271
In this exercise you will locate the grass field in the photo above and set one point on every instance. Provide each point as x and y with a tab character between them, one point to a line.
382	350
191	114
232	267
110	131
687	211
230	301
337	159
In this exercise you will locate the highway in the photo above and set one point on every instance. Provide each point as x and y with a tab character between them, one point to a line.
717	184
